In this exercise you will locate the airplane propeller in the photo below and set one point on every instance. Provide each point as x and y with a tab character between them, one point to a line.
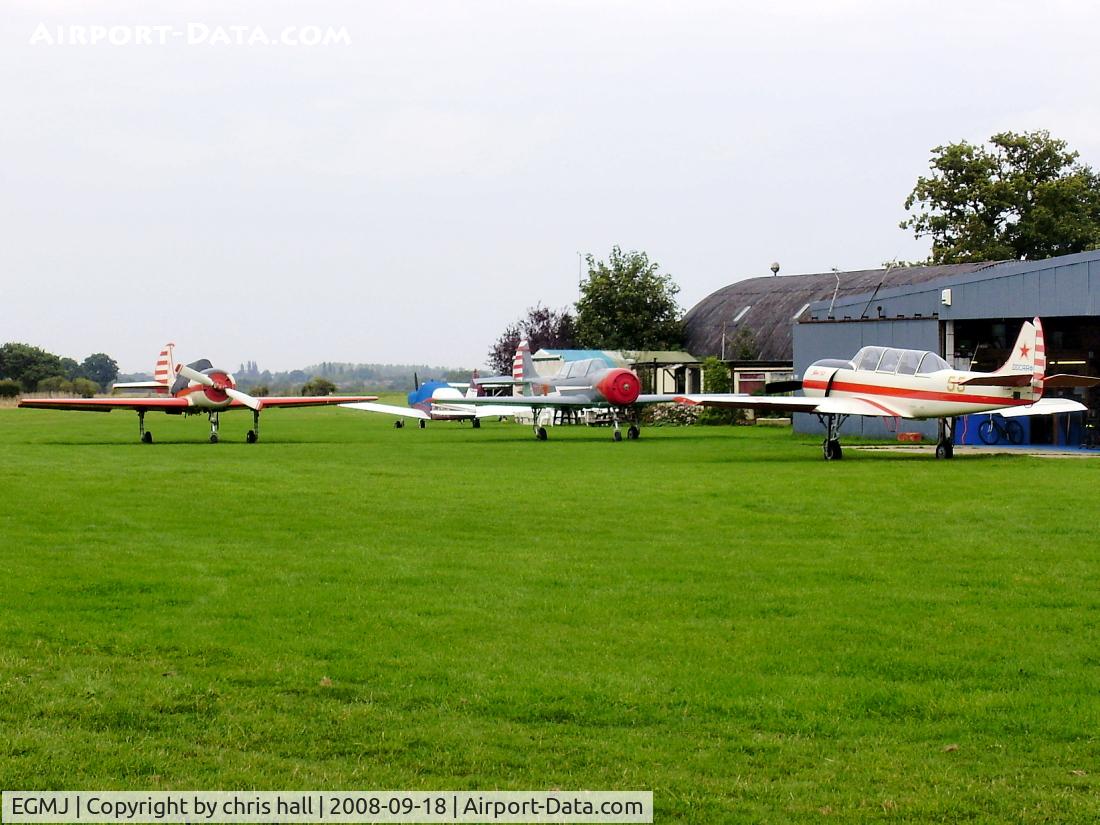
207	381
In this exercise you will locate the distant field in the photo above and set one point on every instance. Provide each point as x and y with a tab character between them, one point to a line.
716	615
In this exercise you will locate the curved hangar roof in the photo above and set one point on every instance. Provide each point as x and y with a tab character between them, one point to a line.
769	306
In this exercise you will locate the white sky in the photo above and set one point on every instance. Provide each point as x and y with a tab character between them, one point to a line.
404	197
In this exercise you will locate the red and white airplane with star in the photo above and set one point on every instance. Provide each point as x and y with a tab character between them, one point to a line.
189	389
917	384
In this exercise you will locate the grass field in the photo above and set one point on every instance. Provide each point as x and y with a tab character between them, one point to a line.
716	615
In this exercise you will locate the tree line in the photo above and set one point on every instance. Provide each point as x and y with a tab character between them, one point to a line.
26	368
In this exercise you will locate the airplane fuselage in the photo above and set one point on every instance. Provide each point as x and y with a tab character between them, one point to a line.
911	384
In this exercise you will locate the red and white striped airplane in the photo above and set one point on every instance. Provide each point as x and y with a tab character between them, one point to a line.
189	389
917	384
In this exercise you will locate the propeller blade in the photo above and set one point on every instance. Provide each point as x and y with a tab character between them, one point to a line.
779	387
195	375
244	398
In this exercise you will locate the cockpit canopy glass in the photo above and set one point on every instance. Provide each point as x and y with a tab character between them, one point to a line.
932	363
901	361
868	358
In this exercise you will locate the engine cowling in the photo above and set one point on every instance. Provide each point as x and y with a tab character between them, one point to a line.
620	387
222	380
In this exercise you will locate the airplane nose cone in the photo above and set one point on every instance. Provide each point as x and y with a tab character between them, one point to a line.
222	379
620	387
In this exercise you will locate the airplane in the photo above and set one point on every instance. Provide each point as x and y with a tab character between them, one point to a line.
577	385
914	384
198	387
438	401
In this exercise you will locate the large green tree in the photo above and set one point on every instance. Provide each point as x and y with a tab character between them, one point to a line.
627	303
99	367
28	365
1026	196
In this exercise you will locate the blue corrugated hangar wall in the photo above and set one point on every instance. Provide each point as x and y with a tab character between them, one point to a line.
922	316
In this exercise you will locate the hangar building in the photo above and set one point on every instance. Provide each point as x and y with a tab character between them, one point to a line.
968	313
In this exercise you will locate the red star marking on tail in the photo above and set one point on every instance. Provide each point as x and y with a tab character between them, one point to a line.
1024	350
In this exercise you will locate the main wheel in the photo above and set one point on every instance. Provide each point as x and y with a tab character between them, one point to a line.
213	438
423	423
945	449
251	437
617	435
398	424
987	432
476	423
540	433
633	432
832	450
146	437
1014	431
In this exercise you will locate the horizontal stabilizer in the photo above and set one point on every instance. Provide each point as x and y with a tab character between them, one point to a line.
1070	381
995	380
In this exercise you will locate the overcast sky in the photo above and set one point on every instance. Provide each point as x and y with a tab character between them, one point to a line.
402	194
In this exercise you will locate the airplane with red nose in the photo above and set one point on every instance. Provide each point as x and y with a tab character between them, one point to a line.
578	385
189	389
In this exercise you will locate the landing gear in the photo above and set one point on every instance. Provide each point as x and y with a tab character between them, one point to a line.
423	423
945	446
633	433
253	435
398	424
476	423
213	428
617	435
830	447
145	436
540	433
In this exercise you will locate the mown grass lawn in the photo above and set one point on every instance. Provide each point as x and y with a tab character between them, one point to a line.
714	614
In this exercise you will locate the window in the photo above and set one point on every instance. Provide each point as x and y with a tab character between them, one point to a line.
889	361
932	363
867	358
910	358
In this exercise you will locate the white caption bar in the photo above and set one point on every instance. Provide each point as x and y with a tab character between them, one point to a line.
326	806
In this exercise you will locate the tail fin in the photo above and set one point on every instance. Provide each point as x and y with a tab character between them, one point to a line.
164	371
475	389
523	368
1028	358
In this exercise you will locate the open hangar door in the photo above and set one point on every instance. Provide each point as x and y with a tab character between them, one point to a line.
1072	346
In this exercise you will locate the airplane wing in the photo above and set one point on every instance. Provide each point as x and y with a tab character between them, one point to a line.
1044	406
105	404
656	399
307	400
388	409
839	405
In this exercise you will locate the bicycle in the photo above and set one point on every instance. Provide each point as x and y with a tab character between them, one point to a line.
997	430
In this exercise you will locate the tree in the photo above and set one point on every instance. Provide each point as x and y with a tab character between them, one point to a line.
1027	197
56	383
85	387
28	365
9	388
99	367
318	386
544	328
627	303
717	379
